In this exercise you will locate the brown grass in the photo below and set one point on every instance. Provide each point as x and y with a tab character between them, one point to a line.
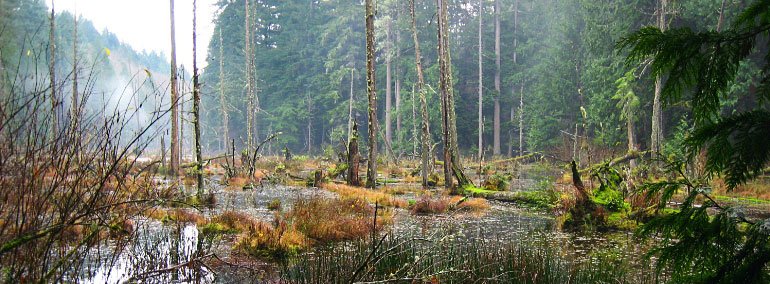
371	196
276	240
329	220
473	204
312	221
234	221
758	189
398	190
431	206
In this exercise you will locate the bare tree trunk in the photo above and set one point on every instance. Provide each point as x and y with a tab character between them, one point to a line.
452	163
388	98
52	70
371	171
657	116
353	158
196	116
249	82
425	139
481	84
521	119
182	112
510	130
163	150
350	108
222	101
521	86
398	83
309	124
174	101
631	139
414	125
496	148
75	112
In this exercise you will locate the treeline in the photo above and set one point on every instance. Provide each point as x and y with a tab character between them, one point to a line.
560	76
111	70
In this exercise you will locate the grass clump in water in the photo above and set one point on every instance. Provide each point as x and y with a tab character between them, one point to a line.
370	196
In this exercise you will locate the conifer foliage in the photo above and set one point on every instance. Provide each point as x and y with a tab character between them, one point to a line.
700	68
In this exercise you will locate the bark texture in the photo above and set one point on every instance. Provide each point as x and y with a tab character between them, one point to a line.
371	171
174	101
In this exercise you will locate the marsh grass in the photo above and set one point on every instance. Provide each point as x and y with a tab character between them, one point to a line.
452	259
309	222
371	196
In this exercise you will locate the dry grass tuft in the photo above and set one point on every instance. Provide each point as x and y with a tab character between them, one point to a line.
330	220
431	206
276	240
175	215
370	196
473	204
234	221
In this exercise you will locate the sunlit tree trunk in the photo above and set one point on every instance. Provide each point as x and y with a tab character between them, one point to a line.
481	84
196	116
452	163
425	139
174	101
371	171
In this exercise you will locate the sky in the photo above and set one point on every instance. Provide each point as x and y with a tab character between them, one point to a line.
145	24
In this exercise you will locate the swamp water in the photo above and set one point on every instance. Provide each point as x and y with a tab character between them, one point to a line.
157	246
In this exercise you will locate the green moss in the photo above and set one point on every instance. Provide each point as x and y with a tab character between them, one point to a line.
497	182
542	199
337	170
745	199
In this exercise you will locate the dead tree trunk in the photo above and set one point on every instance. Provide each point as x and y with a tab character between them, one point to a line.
309	124
353	158
371	171
521	120
452	165
414	125
388	92
350	108
657	117
425	139
398	83
222	101
481	84
196	116
496	148
174	101
74	116
52	70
